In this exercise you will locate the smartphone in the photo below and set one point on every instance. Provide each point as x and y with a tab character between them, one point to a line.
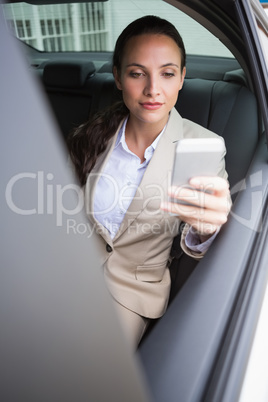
196	157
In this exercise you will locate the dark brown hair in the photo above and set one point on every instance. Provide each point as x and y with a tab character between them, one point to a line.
91	138
147	25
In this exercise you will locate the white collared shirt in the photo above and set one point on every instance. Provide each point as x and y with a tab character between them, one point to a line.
119	181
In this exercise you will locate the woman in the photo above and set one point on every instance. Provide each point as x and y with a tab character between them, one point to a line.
124	159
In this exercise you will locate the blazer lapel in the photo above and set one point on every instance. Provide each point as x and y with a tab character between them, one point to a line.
158	171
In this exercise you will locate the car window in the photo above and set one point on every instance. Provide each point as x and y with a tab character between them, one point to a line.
95	26
263	35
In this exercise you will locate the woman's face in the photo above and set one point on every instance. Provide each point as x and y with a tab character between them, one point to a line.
150	77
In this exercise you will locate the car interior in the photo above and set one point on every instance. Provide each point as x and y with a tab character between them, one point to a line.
217	96
219	93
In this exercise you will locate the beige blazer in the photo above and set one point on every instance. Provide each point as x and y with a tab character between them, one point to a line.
135	262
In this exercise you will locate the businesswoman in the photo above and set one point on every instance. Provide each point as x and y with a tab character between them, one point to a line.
124	157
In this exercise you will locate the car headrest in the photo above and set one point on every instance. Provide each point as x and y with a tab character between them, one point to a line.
237	76
68	74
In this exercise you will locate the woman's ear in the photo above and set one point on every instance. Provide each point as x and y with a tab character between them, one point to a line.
117	78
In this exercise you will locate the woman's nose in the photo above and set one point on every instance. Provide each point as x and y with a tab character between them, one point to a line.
152	87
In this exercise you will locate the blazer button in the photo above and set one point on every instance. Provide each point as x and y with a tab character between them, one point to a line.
108	248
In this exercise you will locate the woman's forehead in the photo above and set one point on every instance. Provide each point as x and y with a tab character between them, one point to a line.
151	46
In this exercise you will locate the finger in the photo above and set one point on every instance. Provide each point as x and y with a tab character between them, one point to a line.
193	215
211	184
200	199
204	229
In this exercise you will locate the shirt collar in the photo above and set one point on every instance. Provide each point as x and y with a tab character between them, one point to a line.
121	139
121	134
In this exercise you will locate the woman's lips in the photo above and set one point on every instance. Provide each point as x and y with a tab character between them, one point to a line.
151	105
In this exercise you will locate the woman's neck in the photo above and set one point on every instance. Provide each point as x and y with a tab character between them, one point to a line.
140	136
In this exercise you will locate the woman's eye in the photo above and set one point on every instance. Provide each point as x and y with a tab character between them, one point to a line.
136	75
168	75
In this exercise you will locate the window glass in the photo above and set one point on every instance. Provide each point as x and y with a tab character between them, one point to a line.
263	35
95	26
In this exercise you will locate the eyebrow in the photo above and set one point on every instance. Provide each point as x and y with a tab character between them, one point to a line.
141	66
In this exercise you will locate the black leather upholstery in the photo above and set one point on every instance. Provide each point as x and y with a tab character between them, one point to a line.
66	83
228	109
68	74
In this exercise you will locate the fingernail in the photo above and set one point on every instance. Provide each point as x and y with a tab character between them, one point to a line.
195	182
